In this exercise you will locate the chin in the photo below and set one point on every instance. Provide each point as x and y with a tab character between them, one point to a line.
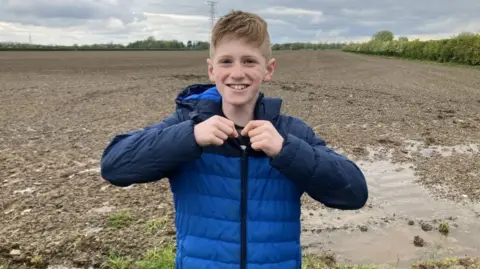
237	101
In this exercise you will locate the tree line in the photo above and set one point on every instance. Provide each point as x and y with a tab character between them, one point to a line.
151	43
463	48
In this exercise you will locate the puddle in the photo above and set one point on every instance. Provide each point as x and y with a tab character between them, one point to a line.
381	232
445	151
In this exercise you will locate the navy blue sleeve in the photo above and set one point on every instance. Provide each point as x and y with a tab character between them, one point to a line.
150	154
328	177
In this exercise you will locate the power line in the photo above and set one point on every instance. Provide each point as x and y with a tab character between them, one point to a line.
212	15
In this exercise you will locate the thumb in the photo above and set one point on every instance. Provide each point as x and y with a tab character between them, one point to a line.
250	126
235	133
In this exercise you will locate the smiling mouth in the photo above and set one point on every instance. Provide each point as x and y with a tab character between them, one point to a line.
238	87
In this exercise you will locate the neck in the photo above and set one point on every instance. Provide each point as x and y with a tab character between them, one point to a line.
240	115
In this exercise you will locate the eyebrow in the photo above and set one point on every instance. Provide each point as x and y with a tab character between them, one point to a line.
243	56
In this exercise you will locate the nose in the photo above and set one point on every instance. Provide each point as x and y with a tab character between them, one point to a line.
237	72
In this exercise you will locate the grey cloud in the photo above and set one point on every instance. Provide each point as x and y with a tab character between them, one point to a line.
62	13
363	18
290	20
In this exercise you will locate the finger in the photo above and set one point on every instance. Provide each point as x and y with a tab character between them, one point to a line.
226	128
257	138
220	134
258	131
258	145
216	141
251	125
226	121
230	124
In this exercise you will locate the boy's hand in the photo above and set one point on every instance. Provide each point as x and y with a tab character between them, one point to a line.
214	131
264	136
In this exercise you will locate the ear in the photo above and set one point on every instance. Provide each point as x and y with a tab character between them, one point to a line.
269	70
211	73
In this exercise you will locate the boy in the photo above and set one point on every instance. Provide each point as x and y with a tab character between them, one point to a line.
236	166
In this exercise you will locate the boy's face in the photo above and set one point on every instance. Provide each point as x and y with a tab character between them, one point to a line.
238	70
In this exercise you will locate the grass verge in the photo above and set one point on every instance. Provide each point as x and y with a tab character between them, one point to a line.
164	258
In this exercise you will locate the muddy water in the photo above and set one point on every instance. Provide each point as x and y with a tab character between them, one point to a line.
398	210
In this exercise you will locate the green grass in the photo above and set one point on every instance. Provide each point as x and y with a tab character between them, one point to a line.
164	258
444	228
327	261
157	258
120	219
161	258
157	224
37	261
469	263
116	261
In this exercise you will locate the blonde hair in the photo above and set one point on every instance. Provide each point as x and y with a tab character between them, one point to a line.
242	25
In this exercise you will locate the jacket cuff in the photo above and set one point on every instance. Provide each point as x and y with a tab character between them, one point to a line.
288	153
190	141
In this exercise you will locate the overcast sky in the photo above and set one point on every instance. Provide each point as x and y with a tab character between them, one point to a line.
122	21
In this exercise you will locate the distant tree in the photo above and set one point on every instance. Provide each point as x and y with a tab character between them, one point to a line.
383	35
201	45
403	38
276	47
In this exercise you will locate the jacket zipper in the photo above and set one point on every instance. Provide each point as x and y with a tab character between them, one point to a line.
243	208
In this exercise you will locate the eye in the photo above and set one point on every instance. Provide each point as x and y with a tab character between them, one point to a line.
225	61
250	61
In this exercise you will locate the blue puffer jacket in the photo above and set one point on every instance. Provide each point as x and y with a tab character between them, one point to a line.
235	209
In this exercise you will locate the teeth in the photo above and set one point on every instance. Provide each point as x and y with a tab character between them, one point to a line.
238	87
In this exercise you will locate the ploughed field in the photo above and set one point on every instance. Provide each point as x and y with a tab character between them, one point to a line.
413	128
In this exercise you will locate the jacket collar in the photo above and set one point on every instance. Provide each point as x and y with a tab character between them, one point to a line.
204	101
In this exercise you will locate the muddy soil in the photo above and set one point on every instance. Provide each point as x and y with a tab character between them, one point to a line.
414	129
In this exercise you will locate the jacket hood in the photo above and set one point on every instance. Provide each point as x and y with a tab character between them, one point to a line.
198	92
204	100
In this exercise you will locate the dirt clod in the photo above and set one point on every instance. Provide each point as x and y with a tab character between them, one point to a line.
427	227
81	260
363	228
418	241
